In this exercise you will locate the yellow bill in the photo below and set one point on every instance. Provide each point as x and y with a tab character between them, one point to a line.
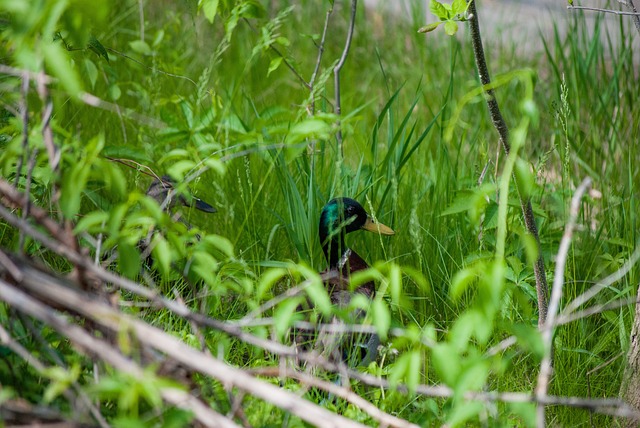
380	228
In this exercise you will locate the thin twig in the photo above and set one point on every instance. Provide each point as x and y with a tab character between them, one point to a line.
596	309
27	190
338	68
603	284
285	61
597	9
24	113
609	406
153	69
556	294
312	81
385	419
47	112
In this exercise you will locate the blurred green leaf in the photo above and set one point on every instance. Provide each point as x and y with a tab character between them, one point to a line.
446	361
140	46
451	27
381	318
128	259
268	280
59	66
161	253
96	46
438	9
210	9
274	64
429	27
462	280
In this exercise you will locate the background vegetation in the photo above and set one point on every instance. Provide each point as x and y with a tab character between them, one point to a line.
217	100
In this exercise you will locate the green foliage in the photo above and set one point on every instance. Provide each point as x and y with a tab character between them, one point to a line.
448	14
202	95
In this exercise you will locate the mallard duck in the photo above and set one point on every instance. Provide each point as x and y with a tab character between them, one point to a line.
339	217
163	191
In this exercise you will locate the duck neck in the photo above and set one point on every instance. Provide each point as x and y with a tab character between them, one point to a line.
334	247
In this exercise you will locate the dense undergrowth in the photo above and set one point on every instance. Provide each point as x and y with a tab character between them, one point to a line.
419	152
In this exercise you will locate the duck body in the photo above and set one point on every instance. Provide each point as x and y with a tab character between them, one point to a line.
339	217
164	192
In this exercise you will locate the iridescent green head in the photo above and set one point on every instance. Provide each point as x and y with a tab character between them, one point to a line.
339	217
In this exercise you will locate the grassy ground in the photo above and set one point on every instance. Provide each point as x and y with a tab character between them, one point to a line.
416	145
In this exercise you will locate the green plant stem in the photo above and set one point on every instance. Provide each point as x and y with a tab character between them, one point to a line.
503	132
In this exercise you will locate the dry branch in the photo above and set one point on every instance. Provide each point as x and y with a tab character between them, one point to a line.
100	349
49	289
556	295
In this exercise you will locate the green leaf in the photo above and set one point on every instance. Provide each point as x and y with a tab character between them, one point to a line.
161	253
381	318
446	362
473	377
461	281
524	178
529	338
526	411
463	329
451	27
114	92
395	283
92	72
205	266
458	7
92	222
140	46
267	281
413	373
284	314
274	64
210	9
58	63
308	128
464	201
96	46
128	259
319	296
463	411
429	27
438	10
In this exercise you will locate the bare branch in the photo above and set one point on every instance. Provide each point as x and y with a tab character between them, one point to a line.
383	418
50	290
312	81
603	284
556	294
597	9
47	133
98	348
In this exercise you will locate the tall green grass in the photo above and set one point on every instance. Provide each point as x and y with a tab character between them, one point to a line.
400	90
